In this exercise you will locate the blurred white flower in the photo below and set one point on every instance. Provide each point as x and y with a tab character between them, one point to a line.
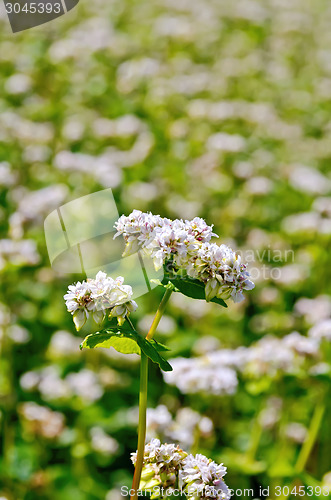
305	221
194	375
102	442
85	384
323	205
64	344
182	429
19	334
271	414
29	381
105	171
296	432
43	421
114	495
226	142
34	205
18	253
291	273
7	176
309	180
18	84
259	185
131	73
206	344
124	126
315	309
321	330
50	385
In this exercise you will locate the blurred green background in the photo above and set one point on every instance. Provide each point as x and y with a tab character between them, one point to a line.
184	108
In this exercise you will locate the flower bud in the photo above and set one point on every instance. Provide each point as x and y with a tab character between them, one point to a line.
211	289
147	473
79	318
98	317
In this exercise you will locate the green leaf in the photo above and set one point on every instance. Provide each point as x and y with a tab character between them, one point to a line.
127	342
122	342
158	346
149	349
191	288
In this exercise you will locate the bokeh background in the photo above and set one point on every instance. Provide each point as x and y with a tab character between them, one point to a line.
208	107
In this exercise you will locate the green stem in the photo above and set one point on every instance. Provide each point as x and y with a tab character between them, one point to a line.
159	314
255	440
311	438
143	398
141	425
309	443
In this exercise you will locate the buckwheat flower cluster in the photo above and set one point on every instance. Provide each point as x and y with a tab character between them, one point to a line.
222	271
166	466
161	464
100	297
184	247
203	478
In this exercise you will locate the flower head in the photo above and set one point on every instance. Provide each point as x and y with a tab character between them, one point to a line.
197	476
184	247
100	297
203	478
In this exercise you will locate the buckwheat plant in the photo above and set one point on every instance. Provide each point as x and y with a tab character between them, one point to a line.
194	267
167	469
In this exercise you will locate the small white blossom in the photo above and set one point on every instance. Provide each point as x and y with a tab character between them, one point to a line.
99	297
321	330
102	442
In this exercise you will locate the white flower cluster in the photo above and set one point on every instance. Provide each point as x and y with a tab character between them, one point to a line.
200	374
183	429
100	297
184	246
102	443
217	372
203	478
18	253
84	384
41	420
321	331
166	465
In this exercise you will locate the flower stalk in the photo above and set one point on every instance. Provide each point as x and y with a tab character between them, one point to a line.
141	425
309	443
143	397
